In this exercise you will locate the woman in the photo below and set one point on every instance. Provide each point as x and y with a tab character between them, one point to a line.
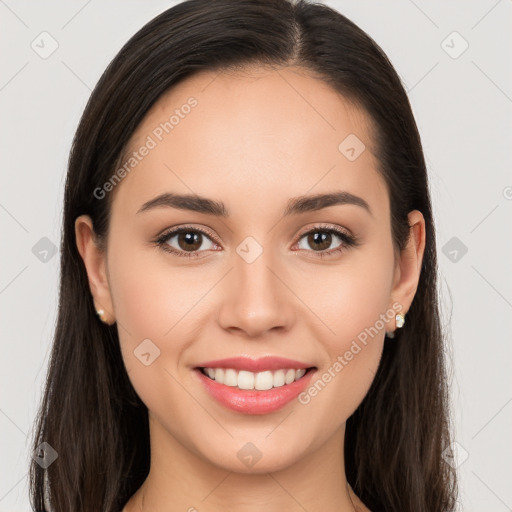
248	309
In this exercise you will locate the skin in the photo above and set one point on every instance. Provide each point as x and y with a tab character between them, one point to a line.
256	138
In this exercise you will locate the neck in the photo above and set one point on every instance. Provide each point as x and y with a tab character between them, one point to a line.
180	479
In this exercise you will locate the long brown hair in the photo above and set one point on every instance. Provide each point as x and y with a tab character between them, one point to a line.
91	415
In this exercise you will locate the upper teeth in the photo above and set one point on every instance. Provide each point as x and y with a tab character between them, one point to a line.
249	380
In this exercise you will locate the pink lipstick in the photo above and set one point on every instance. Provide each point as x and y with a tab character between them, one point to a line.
254	386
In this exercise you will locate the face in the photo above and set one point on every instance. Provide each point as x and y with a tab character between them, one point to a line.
317	282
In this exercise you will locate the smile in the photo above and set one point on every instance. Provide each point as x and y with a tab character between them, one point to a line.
254	393
260	381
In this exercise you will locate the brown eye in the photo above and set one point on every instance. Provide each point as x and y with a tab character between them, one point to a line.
189	241
186	242
320	240
326	241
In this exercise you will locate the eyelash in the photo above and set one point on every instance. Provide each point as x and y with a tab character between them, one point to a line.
347	240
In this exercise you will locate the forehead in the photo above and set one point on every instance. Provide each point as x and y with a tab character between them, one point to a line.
257	133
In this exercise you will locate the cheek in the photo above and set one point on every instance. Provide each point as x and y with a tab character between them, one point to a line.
154	305
340	307
155	301
350	296
150	295
352	303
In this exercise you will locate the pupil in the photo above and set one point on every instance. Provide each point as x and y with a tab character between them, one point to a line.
321	239
191	241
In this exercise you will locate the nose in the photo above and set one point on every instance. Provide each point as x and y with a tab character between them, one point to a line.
256	299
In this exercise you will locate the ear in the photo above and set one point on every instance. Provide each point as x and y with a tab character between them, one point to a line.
408	266
95	261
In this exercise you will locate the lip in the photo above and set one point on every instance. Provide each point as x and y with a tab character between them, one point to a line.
255	365
252	401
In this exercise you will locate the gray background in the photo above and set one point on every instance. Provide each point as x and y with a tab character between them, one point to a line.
462	101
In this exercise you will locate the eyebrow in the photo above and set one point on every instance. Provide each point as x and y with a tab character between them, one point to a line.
296	205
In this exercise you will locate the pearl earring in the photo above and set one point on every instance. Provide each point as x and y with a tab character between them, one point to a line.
399	322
